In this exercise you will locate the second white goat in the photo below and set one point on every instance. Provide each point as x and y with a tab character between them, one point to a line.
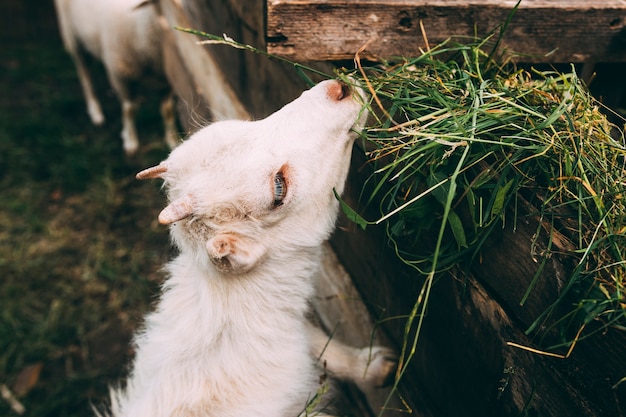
250	204
127	37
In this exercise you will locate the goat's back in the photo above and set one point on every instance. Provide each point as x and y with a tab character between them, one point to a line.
124	34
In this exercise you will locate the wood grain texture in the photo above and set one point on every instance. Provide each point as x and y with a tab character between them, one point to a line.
208	78
544	31
261	85
340	311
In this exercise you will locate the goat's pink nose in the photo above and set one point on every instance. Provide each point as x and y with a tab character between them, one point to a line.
337	91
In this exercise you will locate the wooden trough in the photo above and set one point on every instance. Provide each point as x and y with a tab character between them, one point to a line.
463	364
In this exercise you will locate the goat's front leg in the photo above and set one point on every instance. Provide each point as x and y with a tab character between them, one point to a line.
93	105
129	131
169	120
370	366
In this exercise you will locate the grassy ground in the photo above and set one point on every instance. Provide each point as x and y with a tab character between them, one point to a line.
80	247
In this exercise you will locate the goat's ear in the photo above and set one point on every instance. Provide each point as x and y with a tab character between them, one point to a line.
234	253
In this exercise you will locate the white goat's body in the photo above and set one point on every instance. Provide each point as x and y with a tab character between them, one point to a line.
228	349
127	37
120	32
250	205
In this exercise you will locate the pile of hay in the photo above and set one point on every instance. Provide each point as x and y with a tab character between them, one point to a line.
462	143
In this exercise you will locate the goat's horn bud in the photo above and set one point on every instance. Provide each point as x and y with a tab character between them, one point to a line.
177	210
152	172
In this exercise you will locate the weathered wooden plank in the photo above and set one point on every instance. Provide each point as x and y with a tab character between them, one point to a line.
183	84
261	85
208	76
545	31
341	312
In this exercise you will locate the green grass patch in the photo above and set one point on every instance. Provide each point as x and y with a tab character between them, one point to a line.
80	247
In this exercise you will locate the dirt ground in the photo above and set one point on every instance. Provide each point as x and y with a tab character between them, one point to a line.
80	247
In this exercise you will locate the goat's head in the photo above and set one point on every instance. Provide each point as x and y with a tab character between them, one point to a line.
242	191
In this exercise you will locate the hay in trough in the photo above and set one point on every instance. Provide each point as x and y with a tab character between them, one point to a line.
463	144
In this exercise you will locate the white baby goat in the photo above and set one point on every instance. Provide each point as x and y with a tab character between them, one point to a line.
250	204
127	37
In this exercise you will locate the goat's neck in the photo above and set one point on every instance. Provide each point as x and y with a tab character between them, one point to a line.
229	328
277	290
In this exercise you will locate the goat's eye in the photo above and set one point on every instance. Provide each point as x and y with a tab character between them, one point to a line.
280	189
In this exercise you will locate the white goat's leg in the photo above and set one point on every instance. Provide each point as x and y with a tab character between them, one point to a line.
169	121
367	367
129	132
93	105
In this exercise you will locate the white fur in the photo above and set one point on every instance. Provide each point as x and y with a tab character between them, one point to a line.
229	337
127	37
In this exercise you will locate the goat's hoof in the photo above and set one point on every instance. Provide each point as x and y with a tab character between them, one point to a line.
131	144
96	116
381	364
95	111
